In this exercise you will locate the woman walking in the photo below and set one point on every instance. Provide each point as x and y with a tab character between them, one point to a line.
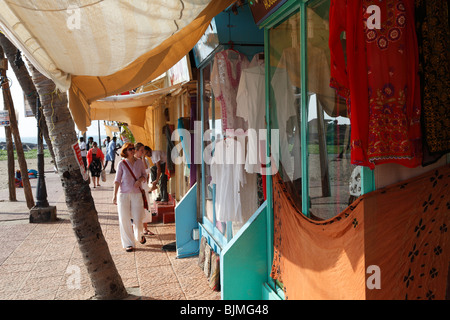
95	159
128	197
141	154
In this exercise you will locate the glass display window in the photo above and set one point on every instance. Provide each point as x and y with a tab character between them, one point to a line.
313	151
284	101
330	172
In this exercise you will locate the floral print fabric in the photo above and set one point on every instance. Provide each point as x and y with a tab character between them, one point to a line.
402	229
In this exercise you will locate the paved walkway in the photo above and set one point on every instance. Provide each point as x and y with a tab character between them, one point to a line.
40	261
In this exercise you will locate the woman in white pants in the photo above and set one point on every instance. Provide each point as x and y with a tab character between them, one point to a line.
129	200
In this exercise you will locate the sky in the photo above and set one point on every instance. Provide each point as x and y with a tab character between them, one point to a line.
28	125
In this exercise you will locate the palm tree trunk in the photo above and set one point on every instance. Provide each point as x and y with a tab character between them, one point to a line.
18	143
84	218
28	88
9	148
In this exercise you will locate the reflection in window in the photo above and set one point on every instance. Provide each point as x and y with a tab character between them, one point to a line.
209	214
330	170
212	132
284	101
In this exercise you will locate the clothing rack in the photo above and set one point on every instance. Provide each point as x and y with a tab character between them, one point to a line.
242	44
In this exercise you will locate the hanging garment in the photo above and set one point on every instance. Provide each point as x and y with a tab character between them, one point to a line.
257	60
379	81
193	118
401	230
433	32
225	76
286	109
227	172
167	130
251	106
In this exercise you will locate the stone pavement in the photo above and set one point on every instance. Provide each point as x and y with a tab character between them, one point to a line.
43	262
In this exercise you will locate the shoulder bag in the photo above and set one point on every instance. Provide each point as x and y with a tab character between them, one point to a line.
144	196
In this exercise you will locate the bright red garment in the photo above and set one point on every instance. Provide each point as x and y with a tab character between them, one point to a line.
379	80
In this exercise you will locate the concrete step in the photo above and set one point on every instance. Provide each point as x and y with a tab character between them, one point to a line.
164	211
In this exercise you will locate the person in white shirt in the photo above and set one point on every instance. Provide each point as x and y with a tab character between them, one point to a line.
83	151
158	173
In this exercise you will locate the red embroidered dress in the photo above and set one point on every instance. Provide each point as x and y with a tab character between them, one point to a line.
380	79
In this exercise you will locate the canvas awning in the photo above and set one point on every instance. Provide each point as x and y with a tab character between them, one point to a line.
131	108
133	100
99	48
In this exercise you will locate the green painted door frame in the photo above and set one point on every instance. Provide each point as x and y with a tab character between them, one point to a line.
289	8
247	258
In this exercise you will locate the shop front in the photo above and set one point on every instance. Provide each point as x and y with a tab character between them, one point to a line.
344	215
315	204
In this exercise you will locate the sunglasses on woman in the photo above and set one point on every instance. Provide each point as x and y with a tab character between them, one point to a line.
130	149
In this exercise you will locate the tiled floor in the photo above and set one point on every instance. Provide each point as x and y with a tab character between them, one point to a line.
42	261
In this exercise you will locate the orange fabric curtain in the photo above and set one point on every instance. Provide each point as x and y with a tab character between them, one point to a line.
402	229
86	89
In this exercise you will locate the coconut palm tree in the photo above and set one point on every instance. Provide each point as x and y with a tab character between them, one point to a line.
9	105
102	271
28	88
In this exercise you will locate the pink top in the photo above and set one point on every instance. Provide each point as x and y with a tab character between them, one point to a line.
124	177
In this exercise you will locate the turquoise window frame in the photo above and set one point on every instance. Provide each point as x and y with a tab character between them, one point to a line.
367	176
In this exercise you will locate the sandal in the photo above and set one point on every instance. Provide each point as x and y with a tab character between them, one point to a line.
129	249
148	233
143	240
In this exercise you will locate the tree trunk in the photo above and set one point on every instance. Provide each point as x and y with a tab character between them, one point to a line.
9	148
18	144
28	88
101	268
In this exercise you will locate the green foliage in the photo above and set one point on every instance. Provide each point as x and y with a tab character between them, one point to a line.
32	154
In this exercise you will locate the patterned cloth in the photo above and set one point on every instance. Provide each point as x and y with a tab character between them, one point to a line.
433	32
402	230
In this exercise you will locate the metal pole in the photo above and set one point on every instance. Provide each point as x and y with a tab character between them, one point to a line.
41	190
99	137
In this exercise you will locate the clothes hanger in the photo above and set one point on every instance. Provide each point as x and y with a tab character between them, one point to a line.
231	44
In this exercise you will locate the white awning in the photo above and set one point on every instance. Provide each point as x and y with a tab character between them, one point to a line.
91	37
133	100
99	48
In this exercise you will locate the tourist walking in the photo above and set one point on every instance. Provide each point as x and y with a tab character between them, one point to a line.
141	153
111	148
83	150
128	197
158	173
95	160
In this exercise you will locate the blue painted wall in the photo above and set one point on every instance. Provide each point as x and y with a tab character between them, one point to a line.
240	28
185	222
243	262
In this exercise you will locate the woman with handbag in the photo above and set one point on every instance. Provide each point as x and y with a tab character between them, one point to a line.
95	159
128	197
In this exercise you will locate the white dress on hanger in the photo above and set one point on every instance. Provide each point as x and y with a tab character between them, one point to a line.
251	107
285	104
227	172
